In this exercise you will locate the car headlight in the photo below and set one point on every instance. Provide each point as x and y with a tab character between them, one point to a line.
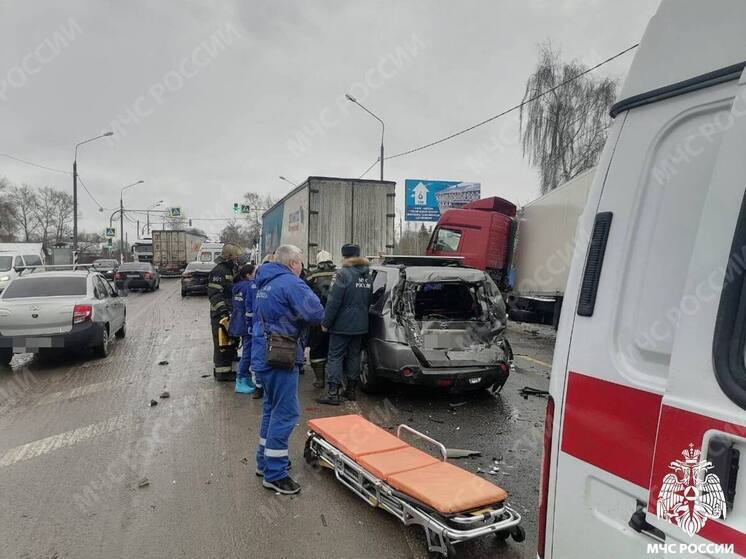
4	278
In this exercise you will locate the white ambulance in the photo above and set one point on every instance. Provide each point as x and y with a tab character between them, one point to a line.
646	425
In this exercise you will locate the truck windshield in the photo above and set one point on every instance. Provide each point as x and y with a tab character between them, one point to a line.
5	263
447	301
447	240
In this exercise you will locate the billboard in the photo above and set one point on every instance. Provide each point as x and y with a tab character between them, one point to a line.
426	200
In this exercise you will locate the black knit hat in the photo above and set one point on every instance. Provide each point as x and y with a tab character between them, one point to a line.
350	250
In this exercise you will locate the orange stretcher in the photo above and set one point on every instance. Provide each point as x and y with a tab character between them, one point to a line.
451	504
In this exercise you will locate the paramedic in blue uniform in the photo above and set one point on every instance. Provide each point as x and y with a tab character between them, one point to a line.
284	305
346	320
244	290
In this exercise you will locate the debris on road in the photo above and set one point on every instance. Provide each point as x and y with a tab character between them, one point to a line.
165	394
144	482
244	460
205	376
323	519
153	403
462	453
527	391
164	362
431	418
456	404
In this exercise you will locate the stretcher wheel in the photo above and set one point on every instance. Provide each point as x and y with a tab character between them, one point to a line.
503	535
310	455
518	533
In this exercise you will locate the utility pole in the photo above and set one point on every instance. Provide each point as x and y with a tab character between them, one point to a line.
75	189
121	230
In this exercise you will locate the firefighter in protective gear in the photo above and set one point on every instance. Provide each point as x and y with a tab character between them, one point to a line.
220	294
320	280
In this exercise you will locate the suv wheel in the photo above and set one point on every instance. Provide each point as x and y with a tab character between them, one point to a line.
102	350
369	382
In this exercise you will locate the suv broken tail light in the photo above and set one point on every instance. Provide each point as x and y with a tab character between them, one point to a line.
187	275
81	313
146	275
119	275
544	487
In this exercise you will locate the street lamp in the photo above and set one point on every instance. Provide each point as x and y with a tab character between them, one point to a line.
287	180
75	190
121	219
147	213
351	99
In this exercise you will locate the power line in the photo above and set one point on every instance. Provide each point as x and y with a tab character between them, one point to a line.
511	109
80	180
369	168
35	164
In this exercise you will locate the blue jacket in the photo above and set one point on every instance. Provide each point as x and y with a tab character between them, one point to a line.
244	292
284	304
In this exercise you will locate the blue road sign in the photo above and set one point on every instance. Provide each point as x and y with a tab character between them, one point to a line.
426	200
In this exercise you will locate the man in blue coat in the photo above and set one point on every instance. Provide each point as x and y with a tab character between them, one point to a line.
346	319
284	305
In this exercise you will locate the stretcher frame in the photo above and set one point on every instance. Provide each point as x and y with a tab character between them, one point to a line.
441	531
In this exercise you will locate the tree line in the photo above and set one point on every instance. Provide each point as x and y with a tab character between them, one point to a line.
34	214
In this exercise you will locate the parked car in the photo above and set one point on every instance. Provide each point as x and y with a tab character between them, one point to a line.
14	257
107	267
435	323
59	310
137	275
194	278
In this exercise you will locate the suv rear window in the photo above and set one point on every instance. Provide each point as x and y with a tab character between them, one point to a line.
447	301
46	287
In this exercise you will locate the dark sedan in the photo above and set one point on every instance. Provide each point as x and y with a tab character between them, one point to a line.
194	278
106	267
137	275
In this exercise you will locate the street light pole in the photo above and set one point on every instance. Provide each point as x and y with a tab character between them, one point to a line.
75	190
351	99
121	219
287	180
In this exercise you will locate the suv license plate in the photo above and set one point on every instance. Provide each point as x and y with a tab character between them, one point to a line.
475	380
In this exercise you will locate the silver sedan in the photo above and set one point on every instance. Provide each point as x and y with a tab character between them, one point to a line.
59	310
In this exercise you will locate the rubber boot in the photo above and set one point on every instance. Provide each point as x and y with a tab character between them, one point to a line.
319	370
332	396
244	385
350	392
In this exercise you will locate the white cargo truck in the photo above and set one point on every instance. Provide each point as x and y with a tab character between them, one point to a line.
173	249
325	213
544	243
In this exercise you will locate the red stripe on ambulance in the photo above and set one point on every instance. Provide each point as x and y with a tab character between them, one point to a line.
611	426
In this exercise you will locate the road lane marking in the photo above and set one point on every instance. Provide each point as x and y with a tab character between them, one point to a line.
81	391
64	440
537	361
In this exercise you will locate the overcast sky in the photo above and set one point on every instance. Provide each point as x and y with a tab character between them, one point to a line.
213	99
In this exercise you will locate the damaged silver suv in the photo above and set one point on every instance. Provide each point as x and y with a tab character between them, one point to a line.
435	323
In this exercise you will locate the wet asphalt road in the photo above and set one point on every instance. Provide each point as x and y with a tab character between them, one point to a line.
88	469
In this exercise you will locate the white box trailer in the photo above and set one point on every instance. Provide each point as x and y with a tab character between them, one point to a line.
325	213
545	240
173	249
546	236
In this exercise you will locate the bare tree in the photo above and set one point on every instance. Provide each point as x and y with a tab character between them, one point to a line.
564	131
7	225
258	203
238	234
63	205
45	213
24	202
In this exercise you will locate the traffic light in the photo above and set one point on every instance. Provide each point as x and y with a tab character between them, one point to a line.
236	208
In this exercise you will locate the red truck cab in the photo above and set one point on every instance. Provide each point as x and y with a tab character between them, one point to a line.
481	232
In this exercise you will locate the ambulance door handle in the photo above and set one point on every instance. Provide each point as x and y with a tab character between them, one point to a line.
725	459
638	522
594	263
